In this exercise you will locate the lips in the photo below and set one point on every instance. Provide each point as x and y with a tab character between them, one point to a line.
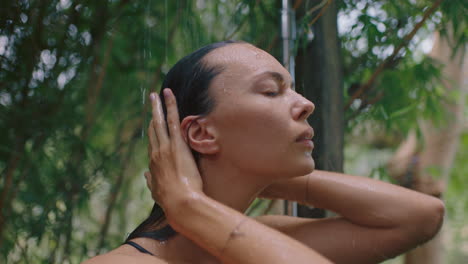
307	134
305	138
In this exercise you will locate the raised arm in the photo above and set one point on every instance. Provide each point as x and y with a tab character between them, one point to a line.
225	233
377	218
361	200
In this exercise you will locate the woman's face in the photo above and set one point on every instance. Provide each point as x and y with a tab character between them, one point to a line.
261	122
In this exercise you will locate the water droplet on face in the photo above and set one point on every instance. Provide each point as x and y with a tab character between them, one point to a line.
225	90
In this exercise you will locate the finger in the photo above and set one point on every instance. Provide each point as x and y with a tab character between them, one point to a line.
149	182
153	140
159	124
150	149
173	120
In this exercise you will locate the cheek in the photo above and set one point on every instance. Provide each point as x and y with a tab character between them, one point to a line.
256	137
256	124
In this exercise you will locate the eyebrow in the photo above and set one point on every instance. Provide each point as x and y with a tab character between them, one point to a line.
276	76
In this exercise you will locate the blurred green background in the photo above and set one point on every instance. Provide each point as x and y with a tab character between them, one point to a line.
75	75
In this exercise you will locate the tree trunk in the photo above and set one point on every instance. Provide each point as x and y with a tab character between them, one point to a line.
319	79
5	202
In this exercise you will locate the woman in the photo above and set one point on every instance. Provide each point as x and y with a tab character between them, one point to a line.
243	133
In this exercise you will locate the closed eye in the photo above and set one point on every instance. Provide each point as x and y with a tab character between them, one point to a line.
271	94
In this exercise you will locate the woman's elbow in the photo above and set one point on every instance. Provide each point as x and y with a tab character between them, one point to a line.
437	212
430	220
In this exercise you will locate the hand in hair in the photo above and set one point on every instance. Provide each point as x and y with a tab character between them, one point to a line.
173	172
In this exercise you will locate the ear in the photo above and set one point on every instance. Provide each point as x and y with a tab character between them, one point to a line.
199	134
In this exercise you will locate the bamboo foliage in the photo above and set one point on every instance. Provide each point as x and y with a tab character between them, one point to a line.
74	76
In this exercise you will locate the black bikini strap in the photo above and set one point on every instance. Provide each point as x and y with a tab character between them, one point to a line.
138	247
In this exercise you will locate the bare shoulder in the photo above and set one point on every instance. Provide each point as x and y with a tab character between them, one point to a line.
117	258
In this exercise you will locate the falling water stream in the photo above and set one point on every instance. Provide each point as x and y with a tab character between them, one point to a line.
166	25
146	50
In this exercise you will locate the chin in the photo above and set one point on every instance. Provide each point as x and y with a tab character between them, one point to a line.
309	168
307	164
300	169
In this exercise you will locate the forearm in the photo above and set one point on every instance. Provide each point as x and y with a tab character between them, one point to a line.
369	202
234	237
359	199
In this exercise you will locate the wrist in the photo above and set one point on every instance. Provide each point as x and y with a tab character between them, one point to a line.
313	189
179	207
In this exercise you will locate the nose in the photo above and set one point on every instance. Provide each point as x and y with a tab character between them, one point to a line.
303	108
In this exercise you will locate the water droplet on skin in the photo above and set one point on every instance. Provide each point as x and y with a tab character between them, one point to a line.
225	90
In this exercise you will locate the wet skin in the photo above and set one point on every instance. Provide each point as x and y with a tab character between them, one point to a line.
256	142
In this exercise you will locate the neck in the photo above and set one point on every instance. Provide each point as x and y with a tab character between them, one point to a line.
226	184
230	185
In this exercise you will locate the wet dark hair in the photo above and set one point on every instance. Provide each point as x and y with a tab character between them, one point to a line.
189	80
